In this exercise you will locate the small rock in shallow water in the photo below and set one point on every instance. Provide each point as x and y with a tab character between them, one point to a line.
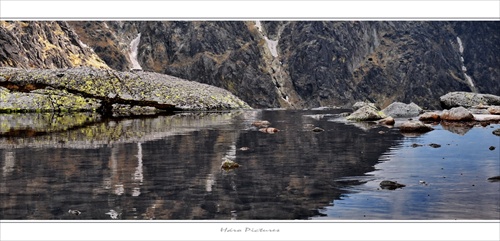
318	129
494	179
74	212
387	121
228	164
391	185
434	145
261	123
496	132
269	130
492	148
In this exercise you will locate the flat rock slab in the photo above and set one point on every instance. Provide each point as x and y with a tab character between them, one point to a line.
109	87
468	99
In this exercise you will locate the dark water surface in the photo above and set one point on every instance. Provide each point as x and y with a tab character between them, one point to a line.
168	168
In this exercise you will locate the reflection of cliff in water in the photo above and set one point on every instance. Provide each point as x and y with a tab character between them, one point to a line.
286	175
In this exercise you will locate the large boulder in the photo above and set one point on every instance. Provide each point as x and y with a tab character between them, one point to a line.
399	109
457	114
104	89
366	113
467	99
358	105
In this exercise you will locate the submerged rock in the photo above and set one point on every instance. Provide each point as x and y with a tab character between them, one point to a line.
391	185
468	99
457	114
399	109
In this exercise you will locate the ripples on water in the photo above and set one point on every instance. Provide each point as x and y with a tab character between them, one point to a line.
168	168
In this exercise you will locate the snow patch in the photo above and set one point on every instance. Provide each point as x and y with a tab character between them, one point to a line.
271	44
469	79
133	52
464	69
258	25
460	46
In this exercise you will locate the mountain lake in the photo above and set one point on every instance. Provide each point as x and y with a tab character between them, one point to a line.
169	168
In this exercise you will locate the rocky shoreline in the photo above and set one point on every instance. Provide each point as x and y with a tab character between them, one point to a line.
108	92
464	109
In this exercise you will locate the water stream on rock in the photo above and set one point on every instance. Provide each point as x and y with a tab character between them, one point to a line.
169	168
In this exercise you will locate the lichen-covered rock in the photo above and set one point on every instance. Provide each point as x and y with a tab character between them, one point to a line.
45	100
457	114
468	99
108	87
366	113
399	109
360	104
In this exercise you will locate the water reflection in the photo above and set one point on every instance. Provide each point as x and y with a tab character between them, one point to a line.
445	182
169	167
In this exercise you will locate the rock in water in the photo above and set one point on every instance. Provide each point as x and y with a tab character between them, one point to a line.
457	114
358	105
496	132
366	113
494	110
415	127
387	121
494	179
269	130
391	185
468	99
229	165
430	116
399	109
261	123
318	129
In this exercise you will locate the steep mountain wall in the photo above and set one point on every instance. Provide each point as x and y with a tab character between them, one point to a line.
48	44
297	64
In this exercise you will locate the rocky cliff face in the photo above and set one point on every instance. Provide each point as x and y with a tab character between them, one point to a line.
296	64
44	45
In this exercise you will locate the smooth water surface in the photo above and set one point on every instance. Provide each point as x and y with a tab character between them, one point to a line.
168	168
